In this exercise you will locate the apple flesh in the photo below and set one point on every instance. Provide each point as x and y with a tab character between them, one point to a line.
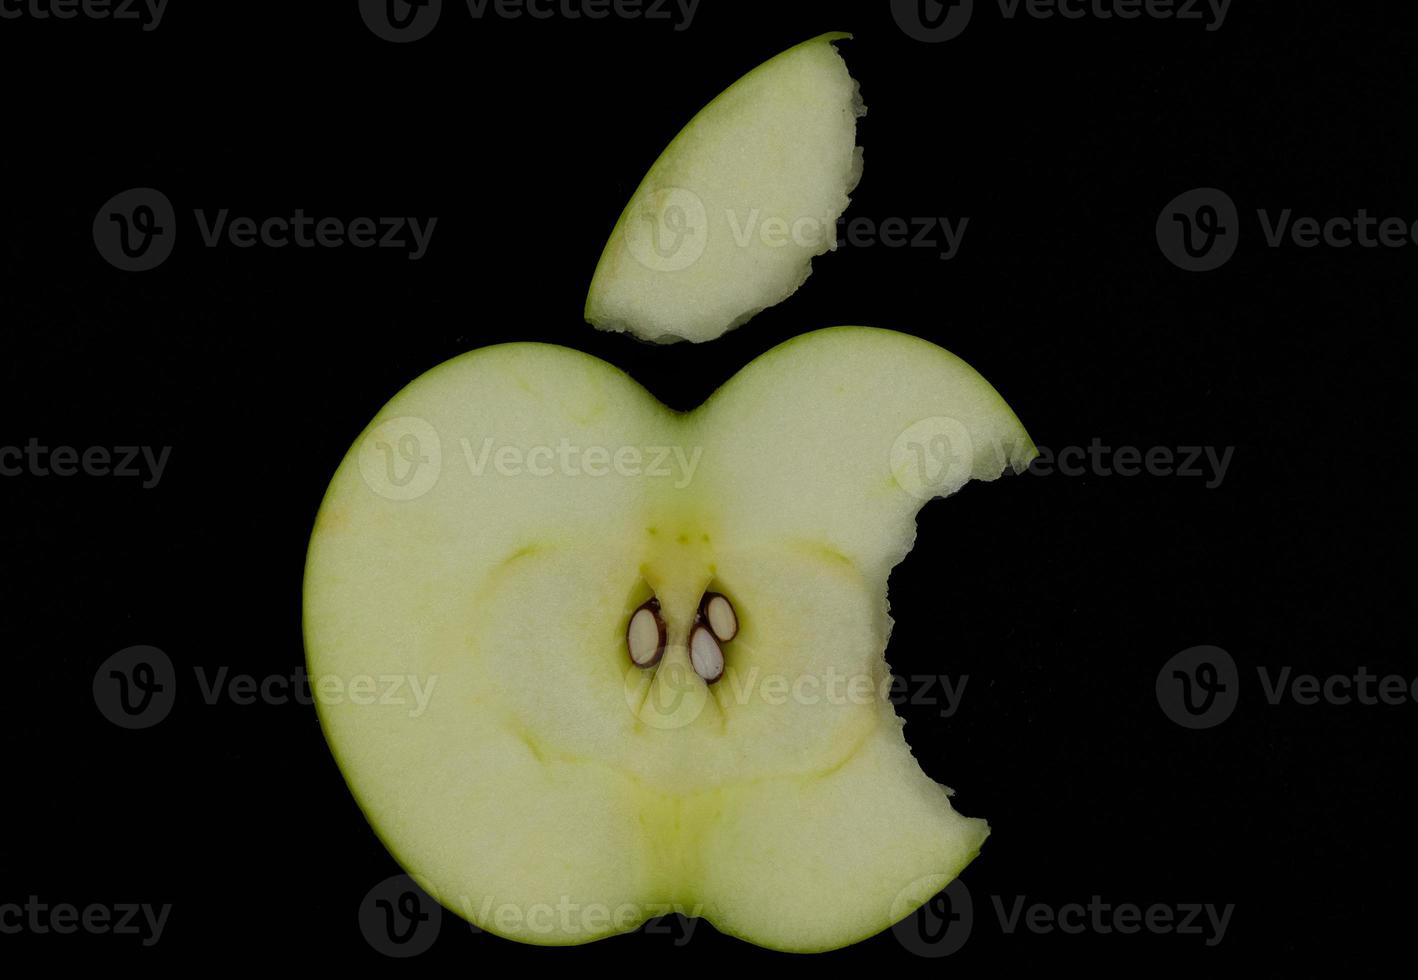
500	532
728	219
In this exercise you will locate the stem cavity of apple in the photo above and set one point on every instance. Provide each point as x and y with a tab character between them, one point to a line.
717	612
705	654
645	634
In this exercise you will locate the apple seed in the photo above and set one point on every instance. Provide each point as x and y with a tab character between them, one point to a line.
645	634
705	655
719	613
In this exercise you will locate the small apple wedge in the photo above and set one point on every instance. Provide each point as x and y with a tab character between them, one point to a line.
729	218
584	660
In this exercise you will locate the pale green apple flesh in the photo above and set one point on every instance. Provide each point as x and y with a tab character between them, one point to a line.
728	219
490	538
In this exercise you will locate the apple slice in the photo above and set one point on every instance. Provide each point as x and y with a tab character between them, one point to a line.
613	660
728	219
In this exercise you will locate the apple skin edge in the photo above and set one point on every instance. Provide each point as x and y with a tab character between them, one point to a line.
834	352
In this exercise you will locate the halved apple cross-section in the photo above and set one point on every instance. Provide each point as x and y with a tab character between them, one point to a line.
510	596
729	218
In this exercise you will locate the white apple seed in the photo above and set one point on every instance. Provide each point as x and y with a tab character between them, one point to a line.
705	655
719	613
645	634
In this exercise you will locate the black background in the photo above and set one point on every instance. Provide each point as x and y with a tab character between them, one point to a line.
1059	597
